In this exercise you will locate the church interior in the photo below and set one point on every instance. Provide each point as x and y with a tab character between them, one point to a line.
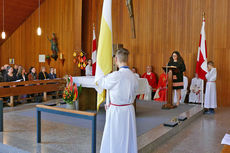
60	60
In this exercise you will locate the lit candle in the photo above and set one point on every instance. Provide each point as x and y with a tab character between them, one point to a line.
61	57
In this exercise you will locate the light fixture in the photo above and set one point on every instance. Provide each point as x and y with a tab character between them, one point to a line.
3	32
39	30
3	35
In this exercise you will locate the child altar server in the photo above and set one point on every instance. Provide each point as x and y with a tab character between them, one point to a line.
210	101
119	134
88	68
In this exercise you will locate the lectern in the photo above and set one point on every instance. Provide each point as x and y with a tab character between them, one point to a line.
169	70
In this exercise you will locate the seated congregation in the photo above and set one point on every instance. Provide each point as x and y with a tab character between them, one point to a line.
17	73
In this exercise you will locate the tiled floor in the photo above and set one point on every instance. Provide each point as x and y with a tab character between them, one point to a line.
204	135
20	132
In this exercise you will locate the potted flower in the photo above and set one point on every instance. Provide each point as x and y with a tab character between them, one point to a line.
71	93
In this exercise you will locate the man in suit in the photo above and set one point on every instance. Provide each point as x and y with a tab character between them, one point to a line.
43	75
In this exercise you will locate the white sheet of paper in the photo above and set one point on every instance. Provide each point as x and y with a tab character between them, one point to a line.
226	139
42	58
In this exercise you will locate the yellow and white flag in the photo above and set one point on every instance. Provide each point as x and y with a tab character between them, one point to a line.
104	54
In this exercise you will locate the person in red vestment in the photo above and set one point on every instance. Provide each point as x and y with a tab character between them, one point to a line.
161	88
152	80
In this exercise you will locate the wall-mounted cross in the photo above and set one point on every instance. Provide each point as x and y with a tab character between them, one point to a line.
129	4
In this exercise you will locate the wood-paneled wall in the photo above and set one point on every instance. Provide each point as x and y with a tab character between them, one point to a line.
62	17
163	26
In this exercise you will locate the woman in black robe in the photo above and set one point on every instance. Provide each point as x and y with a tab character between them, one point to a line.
178	84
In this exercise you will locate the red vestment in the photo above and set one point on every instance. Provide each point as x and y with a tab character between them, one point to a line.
152	80
162	87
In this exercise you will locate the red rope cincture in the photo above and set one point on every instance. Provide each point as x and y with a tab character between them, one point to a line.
120	105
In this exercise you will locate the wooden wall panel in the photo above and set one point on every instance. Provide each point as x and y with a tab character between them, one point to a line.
62	17
163	26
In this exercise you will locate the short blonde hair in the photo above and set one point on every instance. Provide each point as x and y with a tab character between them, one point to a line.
122	55
43	67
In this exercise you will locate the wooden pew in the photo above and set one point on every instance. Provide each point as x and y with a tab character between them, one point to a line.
30	87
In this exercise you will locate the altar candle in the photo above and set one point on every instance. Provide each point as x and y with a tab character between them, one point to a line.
61	56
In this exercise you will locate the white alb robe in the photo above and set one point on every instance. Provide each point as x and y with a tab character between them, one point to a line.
137	75
120	127
183	91
196	86
88	70
210	92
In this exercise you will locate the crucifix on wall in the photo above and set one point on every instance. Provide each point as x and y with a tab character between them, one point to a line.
129	4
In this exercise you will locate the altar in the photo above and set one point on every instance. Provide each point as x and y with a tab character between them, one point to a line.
88	97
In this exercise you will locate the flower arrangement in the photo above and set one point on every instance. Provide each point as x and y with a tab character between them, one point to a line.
80	60
71	92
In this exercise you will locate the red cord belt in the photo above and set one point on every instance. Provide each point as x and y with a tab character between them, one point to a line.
120	105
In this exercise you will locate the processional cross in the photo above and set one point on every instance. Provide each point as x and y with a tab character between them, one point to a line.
129	4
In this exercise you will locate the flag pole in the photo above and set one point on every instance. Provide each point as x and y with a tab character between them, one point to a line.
202	96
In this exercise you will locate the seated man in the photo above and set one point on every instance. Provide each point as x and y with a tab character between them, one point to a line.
152	80
43	75
3	70
195	90
161	88
52	74
183	91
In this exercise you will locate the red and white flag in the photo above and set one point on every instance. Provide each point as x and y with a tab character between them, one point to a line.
94	53
201	65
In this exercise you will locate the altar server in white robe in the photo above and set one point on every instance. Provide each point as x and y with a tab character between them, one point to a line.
183	91
134	70
210	101
88	68
120	127
195	95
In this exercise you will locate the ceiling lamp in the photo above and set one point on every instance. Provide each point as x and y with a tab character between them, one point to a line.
3	32
39	30
3	35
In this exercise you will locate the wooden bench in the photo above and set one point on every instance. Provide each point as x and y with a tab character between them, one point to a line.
66	112
11	89
29	87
